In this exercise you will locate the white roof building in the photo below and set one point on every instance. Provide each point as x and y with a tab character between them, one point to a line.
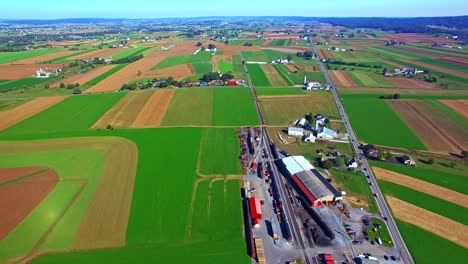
310	138
296	164
301	122
296	131
326	133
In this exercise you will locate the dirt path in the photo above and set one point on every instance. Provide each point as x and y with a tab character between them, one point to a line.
154	110
429	221
460	106
422	186
13	116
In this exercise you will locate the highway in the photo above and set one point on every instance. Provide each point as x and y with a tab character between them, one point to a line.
405	255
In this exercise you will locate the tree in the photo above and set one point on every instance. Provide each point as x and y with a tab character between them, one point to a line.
289	57
430	161
339	162
62	85
211	46
132	86
452	165
396	96
310	117
76	91
124	87
327	164
199	44
384	71
464	154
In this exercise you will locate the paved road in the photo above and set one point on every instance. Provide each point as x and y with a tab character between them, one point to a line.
405	255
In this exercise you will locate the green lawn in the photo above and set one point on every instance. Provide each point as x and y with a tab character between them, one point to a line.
431	203
225	66
102	76
26	83
73	114
355	184
370	79
201	56
14	56
203	67
375	122
257	75
426	247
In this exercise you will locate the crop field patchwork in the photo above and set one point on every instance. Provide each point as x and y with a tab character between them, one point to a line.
370	79
190	107
9	72
265	91
297	77
101	77
200	57
460	106
15	56
257	75
282	110
203	67
280	42
84	78
72	114
383	126
273	76
25	83
225	66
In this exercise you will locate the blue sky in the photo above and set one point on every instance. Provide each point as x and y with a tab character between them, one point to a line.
51	9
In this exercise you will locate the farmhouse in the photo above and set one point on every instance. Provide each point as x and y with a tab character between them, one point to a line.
309	181
295	131
309	85
326	133
406	160
309	138
352	164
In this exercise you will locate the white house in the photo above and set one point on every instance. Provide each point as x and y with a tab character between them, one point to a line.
326	133
296	131
309	138
352	164
308	85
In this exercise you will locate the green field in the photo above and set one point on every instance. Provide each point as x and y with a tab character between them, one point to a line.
14	56
375	122
9	104
201	56
102	76
370	79
211	106
254	42
355	184
280	42
225	66
426	247
297	77
73	114
203	67
130	52
257	75
279	91
26	83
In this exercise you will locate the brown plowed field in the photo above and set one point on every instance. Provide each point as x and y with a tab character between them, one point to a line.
45	57
427	220
438	68
342	79
13	116
124	113
460	106
273	76
325	54
457	61
154	110
177	72
293	67
84	78
18	199
20	71
407	83
100	53
13	173
130	72
422	186
438	132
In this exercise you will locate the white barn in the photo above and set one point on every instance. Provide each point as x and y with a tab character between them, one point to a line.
296	131
326	133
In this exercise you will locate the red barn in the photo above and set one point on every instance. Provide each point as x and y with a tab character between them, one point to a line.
232	83
255	209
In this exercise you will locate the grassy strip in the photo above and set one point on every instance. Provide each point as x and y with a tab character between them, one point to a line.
63	60
283	72
14	56
25	83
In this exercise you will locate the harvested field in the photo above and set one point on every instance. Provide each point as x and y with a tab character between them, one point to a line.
407	83
45	57
144	65
460	106
325	54
437	68
342	79
154	110
457	61
177	72
125	112
439	133
100	53
427	220
20	71
13	173
273	76
18	199
84	78
13	116
293	67
422	186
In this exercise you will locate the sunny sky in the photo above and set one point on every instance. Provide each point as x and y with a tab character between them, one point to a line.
52	9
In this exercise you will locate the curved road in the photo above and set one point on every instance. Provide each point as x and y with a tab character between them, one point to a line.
405	255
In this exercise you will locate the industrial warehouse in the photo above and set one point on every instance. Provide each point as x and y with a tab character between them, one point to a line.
309	181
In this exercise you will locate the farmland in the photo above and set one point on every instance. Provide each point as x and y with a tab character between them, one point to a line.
25	83
84	78
280	42
225	66
15	56
101	77
370	79
19	71
200	57
297	77
258	75
273	76
282	110
387	128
